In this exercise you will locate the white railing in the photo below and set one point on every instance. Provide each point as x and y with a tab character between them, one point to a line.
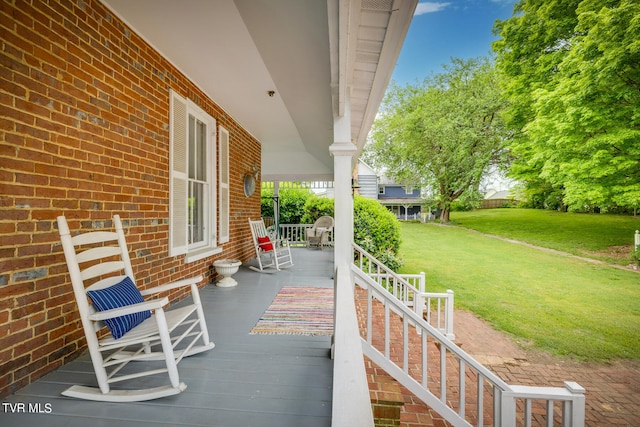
297	185
436	308
449	380
351	404
408	217
296	234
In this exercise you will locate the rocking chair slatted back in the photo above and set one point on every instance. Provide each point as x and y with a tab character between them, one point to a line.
99	261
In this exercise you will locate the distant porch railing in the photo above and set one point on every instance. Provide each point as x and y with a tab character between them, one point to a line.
296	234
408	217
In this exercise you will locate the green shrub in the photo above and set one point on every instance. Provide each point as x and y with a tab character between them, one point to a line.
461	207
377	231
315	207
266	203
292	202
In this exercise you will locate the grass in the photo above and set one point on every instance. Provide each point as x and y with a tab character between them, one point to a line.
605	237
558	304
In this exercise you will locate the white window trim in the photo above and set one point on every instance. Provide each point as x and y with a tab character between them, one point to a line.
180	109
197	255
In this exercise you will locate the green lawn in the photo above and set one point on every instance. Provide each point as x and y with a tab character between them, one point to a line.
605	237
554	303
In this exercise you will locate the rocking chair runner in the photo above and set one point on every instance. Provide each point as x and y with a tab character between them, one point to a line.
140	330
278	250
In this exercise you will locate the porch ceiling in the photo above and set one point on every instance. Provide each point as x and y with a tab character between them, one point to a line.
311	53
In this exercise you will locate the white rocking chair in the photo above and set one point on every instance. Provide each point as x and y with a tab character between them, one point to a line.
140	330
278	250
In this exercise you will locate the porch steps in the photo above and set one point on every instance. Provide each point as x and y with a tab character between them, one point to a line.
439	373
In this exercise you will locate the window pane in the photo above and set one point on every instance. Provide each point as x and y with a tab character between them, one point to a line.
196	212
192	147
201	146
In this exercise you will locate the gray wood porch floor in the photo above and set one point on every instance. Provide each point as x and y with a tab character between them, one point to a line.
246	380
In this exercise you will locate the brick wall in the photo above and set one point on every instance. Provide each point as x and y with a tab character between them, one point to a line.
84	132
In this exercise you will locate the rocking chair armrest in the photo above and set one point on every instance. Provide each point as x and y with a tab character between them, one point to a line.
129	309
172	285
277	243
281	242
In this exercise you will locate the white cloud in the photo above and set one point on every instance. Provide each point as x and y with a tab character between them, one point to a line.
429	7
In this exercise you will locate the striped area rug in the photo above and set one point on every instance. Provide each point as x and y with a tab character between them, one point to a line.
298	311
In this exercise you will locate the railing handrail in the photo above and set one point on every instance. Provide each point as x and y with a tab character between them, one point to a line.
504	398
387	272
444	315
431	331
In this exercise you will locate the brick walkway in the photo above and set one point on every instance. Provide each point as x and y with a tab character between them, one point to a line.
613	391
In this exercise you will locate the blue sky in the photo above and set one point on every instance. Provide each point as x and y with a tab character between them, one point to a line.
441	30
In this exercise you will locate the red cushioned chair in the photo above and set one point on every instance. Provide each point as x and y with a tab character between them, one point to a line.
278	251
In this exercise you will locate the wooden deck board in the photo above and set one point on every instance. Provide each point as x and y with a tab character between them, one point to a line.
246	380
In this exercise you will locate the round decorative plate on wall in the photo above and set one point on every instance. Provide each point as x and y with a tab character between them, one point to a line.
249	184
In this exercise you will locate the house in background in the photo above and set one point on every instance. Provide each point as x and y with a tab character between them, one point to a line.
405	202
498	199
366	180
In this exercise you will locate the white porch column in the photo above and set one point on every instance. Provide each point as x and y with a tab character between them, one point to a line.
343	151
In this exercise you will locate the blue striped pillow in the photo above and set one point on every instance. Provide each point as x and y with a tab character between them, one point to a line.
119	295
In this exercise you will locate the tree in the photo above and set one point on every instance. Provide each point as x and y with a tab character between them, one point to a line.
443	134
573	71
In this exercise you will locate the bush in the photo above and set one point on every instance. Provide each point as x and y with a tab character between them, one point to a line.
315	207
377	231
461	207
292	202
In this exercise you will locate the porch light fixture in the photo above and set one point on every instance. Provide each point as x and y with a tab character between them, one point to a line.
250	180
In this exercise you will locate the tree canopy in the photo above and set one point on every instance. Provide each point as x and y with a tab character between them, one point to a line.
572	76
442	134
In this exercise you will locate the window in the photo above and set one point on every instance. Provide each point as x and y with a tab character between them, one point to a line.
408	190
381	189
223	149
198	183
192	188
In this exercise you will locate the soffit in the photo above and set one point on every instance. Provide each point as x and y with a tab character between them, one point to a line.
237	51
